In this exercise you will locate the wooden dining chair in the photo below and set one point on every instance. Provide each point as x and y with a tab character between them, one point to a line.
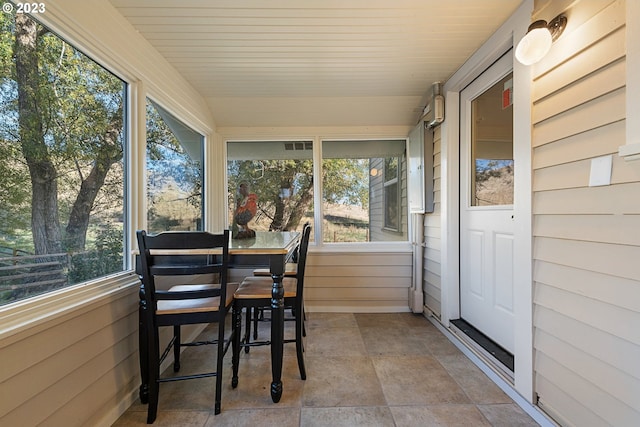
173	256
255	291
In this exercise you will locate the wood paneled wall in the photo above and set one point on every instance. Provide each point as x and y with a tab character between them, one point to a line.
586	239
358	282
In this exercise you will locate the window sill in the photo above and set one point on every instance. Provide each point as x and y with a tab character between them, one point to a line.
629	152
368	247
34	312
391	230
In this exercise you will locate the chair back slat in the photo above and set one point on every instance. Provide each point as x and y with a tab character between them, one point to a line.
184	262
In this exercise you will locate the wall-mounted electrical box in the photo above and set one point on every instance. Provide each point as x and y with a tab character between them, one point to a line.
421	154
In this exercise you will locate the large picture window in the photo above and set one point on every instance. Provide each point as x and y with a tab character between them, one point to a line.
271	187
62	120
175	159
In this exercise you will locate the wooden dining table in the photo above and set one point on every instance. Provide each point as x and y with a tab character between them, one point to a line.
276	247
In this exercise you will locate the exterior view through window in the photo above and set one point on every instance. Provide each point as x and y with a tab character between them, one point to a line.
492	146
364	191
62	171
278	177
175	159
363	182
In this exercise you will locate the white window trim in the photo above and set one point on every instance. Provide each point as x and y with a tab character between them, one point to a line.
631	150
34	312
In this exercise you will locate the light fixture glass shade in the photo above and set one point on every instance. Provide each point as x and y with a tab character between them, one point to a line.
534	45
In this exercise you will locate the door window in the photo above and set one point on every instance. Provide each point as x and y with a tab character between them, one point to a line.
492	145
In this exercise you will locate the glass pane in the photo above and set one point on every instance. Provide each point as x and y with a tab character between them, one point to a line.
270	186
492	146
174	173
390	168
62	147
392	217
361	197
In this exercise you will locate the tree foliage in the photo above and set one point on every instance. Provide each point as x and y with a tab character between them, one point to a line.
346	181
285	187
61	138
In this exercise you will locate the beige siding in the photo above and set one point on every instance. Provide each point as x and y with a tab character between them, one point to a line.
73	368
358	282
432	237
586	239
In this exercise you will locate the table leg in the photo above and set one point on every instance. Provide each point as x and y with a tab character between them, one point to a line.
277	326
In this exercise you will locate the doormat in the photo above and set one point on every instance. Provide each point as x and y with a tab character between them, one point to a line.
501	355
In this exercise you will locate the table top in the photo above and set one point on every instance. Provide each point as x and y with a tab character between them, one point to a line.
265	243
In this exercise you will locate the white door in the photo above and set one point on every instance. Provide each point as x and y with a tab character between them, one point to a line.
486	203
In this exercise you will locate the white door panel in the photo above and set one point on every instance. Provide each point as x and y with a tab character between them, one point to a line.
486	204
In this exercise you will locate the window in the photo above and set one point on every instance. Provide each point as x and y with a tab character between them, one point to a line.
175	158
492	162
391	194
270	185
362	191
62	120
363	188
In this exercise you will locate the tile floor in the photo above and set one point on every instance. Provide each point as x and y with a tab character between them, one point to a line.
362	370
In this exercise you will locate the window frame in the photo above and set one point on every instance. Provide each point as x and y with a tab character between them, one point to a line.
317	245
23	315
24	307
387	183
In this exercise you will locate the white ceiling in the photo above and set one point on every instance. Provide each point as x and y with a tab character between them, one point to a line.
316	62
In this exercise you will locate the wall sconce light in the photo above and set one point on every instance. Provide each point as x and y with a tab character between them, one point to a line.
537	42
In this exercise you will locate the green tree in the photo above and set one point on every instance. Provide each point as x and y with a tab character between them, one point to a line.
343	180
346	180
271	180
65	113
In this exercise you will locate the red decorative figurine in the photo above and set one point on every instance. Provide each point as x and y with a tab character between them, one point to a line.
245	211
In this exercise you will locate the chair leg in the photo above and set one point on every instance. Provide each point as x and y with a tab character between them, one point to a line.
154	375
247	332
258	314
143	349
219	364
299	344
236	326
304	322
176	348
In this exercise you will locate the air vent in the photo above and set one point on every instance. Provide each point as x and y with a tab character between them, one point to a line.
297	146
